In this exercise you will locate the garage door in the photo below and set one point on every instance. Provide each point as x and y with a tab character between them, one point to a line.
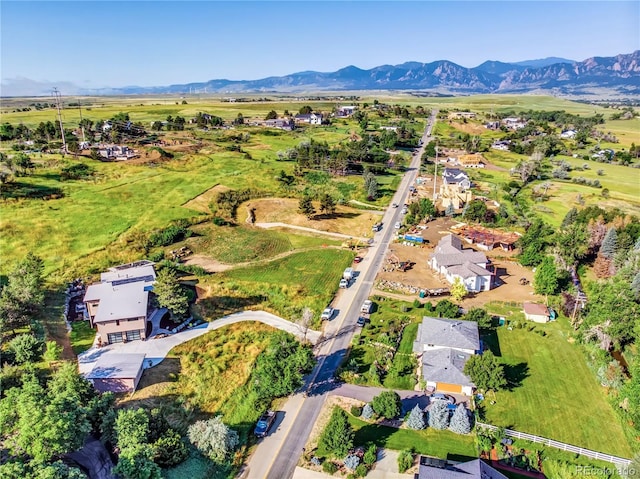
450	388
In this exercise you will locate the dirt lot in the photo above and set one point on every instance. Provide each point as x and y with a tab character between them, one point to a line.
507	282
346	220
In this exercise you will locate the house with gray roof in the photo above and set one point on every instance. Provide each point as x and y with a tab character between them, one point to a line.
443	347
457	177
452	261
476	469
118	306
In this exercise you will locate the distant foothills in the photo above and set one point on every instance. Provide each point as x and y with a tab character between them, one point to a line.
618	75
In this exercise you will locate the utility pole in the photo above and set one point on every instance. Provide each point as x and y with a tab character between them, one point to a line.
56	94
435	176
84	140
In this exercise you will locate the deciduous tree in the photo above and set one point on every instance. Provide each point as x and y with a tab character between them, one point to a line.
387	404
545	280
458	290
486	371
214	438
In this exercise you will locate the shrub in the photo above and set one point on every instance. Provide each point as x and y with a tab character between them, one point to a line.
416	304
356	411
367	411
387	404
329	467
169	235
26	348
351	461
76	172
213	438
405	461
447	309
361	470
371	455
170	450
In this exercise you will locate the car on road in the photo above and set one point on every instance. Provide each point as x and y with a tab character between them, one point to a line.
344	283
327	313
397	225
361	320
357	259
264	423
404	210
367	306
394	205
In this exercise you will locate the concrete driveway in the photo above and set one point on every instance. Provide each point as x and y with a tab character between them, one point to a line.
157	349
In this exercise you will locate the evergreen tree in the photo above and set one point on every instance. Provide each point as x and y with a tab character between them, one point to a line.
367	411
337	437
372	189
450	211
416	418
438	415
305	206
545	280
609	244
635	285
460	422
569	218
170	295
327	204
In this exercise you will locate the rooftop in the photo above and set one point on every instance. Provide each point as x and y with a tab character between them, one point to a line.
475	469
536	308
445	365
448	333
117	366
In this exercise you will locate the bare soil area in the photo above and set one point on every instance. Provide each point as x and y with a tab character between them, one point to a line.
201	202
207	263
345	220
507	285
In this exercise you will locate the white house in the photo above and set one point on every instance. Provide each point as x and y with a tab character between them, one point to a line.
443	347
456	177
311	118
568	134
450	260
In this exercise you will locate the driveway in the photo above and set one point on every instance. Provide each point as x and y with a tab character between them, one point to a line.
157	349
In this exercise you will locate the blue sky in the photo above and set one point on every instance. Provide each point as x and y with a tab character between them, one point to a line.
93	43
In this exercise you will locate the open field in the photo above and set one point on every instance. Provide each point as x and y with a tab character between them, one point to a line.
558	396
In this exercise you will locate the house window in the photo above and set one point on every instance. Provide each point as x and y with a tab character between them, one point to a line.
114	338
117	322
133	335
430	345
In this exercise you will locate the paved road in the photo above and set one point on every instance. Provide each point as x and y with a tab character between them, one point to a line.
157	349
277	455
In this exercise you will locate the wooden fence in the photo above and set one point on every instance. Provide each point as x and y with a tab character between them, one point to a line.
618	461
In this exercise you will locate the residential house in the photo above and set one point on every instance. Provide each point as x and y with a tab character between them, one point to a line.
116	152
344	111
456	178
443	347
118	306
475	160
450	260
280	123
568	134
536	312
441	469
514	123
502	145
311	118
492	125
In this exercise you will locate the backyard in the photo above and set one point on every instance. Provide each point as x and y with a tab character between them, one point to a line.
555	394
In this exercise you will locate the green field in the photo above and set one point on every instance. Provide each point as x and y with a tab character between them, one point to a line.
559	396
442	444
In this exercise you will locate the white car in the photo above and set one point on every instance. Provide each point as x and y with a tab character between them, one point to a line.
397	225
344	283
327	314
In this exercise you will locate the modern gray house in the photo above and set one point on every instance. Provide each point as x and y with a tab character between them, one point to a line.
438	469
452	261
443	347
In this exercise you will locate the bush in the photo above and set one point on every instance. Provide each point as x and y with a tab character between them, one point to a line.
447	309
351	461
76	172
213	438
416	304
371	455
169	235
329	467
387	404
26	348
356	411
156	257
170	450
361	470
405	461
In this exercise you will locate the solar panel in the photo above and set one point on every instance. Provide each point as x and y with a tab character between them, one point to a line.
119	282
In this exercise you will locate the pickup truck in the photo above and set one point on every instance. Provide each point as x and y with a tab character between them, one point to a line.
264	423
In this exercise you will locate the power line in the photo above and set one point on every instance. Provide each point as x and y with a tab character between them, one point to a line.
56	94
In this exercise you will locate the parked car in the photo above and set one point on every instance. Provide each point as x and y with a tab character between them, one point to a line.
404	210
367	306
344	283
327	313
361	321
397	225
357	259
394	205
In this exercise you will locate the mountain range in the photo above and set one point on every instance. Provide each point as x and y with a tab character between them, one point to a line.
619	75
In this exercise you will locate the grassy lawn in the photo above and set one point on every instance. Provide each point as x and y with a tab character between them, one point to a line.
82	336
284	286
559	396
442	444
377	341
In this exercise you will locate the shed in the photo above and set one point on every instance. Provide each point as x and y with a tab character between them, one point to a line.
536	312
117	372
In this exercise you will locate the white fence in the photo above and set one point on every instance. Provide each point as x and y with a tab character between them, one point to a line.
618	461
